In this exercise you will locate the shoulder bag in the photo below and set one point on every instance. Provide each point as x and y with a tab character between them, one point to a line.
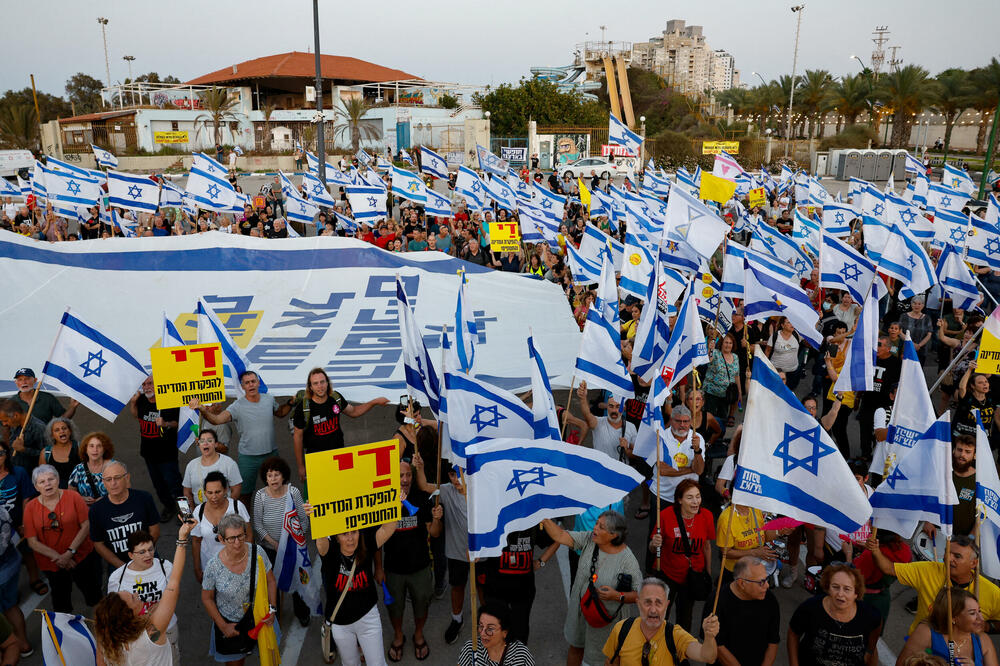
698	583
328	647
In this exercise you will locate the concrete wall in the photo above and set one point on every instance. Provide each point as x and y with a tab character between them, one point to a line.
158	163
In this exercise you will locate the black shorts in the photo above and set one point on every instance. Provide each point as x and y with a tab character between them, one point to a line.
458	573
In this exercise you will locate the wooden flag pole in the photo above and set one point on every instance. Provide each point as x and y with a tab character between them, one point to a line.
979	562
569	401
722	568
41	378
472	579
947	582
658	531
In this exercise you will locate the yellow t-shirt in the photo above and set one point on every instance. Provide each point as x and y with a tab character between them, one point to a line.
927	578
659	655
739	531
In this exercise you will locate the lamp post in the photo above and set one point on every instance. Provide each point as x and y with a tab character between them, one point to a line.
320	143
797	10
107	64
129	60
642	146
868	76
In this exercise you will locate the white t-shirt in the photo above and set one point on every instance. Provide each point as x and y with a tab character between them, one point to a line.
195	473
607	437
678	454
148	585
728	468
210	546
785	353
11	210
879	421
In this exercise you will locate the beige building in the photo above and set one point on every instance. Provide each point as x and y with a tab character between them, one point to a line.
682	57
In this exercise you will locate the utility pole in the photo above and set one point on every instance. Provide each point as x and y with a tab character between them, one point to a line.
129	60
797	9
107	63
881	38
320	146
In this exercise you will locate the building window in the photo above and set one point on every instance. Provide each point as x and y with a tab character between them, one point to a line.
78	136
173	126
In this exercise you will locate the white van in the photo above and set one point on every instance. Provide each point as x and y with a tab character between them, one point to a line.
13	162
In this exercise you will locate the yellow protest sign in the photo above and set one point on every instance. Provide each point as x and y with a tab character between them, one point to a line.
988	359
505	237
353	488
170	137
718	189
757	197
716	147
191	371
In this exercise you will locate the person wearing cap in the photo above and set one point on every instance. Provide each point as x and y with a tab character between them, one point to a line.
47	406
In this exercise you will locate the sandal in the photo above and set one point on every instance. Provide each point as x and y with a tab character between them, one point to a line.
641	513
39	587
396	651
420	650
731	421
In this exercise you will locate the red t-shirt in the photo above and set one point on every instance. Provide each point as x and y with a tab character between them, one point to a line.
673	562
71	513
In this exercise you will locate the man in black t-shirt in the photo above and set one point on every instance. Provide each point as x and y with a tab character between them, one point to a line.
887	368
121	512
406	558
158	445
749	616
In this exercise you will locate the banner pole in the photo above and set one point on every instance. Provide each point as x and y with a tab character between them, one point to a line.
961	352
569	401
658	531
41	377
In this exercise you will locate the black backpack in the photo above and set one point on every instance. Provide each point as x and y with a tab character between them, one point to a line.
668	634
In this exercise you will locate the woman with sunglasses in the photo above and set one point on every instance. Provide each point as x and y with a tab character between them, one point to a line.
217	504
57	528
493	648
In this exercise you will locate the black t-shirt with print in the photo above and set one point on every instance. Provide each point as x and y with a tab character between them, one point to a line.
407	551
362	595
323	432
823	640
156	444
112	523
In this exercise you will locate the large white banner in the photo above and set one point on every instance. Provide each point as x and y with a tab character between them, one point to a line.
290	304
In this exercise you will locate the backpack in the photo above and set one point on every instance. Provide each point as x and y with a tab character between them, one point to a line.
668	634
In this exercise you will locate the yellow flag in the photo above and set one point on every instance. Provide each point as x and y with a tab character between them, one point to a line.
267	640
584	194
714	188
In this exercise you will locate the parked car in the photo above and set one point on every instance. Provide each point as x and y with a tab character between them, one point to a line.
582	168
16	163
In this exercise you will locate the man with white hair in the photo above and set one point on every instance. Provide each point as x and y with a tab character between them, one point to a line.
749	616
612	434
124	510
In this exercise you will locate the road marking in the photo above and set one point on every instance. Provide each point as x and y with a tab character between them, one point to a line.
31	603
886	657
294	638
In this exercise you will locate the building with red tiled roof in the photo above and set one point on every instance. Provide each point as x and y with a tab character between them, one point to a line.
297	68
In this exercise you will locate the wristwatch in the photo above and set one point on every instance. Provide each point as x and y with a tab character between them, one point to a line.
621	598
72	550
541	563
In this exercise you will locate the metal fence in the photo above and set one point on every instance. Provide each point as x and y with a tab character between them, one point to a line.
118	138
598	136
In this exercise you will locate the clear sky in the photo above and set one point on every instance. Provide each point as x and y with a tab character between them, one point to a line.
474	41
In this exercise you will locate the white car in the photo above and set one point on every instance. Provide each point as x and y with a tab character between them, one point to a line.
599	165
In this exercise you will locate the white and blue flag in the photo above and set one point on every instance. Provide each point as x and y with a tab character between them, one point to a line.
8	189
837	218
71	189
766	238
367	203
685	351
408	185
514	483
345	223
294	570
640	254
466	331
987	503
105	158
958	179
433	164
619	134
470	186
187	418
403	155
171	196
898	209
600	359
843	267
208	186
66	639
983	243
768	293
585	270
551	204
942	197
912	412
858	371
806	232
137	193
299	209
788	464
905	259
92	368
950	226
490	163
543	406
476	410
437	204
691	222
956	279
501	192
317	191
422	380
234	361
920	487
363	157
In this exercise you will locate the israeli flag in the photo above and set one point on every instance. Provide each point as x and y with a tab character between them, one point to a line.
983	243
543	407
692	222
38	181
912	413
788	464
104	158
367	203
619	134
373	179
601	204
856	187
711	302
171	196
234	361
941	197
71	189
381	164
437	204
837	218
600	359
658	186
653	330
685	351
92	368
987	502
207	185
905	259
514	483
538	227
640	255
66	639
769	293
501	192
8	189
490	163
363	157
294	570
585	270
187	432
466	330
403	155
858	372
422	379
470	186
920	487
299	209
956	280
898	209
132	192
595	241
805	231
958	179
433	164
686	182
679	256
317	191
476	411
950	227
818	196
345	223
766	238
843	267
408	185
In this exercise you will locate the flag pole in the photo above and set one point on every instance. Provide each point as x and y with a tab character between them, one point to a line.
52	634
956	358
41	377
658	548
569	401
979	562
437	471
472	580
722	565
718	308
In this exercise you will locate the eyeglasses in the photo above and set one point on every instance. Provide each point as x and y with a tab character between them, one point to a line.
144	551
116	478
54	521
762	582
646	647
236	538
489	629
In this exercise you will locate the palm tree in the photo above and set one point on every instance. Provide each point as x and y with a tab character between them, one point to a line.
986	84
813	88
218	108
849	96
351	115
19	126
952	96
766	101
268	111
907	90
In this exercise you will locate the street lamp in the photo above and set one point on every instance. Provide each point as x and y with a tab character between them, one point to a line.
797	10
860	62
129	60
762	81
107	63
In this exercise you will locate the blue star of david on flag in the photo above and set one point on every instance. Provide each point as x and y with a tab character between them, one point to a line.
810	462
135	192
317	189
647	414
492	422
895	478
302	207
372	202
769	241
475	187
957	235
907	216
800	264
73	186
878	209
911	261
850	272
945	201
712	301
839	217
547	203
492	160
88	370
213	191
993	245
526	477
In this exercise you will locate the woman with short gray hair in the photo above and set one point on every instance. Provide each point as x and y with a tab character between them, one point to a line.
604	589
57	528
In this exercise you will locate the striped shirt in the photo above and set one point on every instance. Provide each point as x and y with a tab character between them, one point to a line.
269	514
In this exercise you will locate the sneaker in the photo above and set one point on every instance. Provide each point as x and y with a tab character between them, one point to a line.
451	633
911	606
27	653
787	575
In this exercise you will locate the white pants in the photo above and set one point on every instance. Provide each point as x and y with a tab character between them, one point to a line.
368	632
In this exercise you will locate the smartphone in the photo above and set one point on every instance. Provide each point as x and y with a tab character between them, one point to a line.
184	508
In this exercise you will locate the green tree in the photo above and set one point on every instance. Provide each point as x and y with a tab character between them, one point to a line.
448	101
153	77
50	106
84	91
18	126
953	94
352	124
813	90
907	91
218	106
849	96
986	82
511	107
268	111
